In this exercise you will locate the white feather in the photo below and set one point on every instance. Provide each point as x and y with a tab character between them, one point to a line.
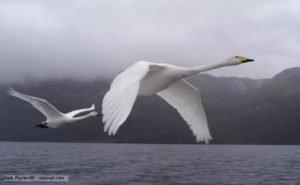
75	112
186	99
54	117
119	100
145	78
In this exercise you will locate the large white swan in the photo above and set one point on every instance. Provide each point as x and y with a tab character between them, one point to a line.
145	78
54	117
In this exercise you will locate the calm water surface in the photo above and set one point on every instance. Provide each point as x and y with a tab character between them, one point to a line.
145	164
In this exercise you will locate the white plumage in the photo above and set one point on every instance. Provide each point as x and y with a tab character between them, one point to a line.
54	117
145	78
186	99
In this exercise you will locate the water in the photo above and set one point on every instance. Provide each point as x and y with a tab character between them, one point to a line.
140	164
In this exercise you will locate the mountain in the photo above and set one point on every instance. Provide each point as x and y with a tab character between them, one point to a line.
239	110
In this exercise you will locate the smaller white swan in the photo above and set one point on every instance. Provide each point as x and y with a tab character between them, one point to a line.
54	117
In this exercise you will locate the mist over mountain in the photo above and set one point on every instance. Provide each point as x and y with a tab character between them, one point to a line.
239	111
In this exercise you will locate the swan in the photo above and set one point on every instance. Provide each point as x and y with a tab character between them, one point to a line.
54	117
167	81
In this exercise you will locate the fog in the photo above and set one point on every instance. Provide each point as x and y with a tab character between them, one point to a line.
41	39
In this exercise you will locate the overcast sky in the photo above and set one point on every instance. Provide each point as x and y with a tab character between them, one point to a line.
42	39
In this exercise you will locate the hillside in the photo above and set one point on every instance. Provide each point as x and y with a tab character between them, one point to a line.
240	111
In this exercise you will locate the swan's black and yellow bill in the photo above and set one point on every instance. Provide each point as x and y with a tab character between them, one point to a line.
244	59
248	60
98	114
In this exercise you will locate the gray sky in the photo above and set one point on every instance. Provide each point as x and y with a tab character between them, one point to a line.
93	38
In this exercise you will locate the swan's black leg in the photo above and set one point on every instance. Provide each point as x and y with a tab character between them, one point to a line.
42	125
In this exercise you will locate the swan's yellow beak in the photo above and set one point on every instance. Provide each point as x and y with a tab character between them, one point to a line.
244	59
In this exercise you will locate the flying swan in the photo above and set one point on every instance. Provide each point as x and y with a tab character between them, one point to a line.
167	81
54	117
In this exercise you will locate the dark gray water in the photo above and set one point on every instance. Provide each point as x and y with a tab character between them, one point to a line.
140	164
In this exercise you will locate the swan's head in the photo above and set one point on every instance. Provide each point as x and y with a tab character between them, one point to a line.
94	113
236	60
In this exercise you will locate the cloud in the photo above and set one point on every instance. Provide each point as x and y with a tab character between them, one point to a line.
90	39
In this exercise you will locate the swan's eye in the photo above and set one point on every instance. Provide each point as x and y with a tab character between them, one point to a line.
236	56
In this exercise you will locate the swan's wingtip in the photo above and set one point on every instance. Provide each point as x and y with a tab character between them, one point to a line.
206	140
105	127
110	132
10	91
115	132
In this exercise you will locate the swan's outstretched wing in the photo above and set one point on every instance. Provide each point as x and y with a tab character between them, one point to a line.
42	105
186	100
119	100
75	112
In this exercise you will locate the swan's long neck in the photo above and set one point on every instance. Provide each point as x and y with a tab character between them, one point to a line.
194	70
81	117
